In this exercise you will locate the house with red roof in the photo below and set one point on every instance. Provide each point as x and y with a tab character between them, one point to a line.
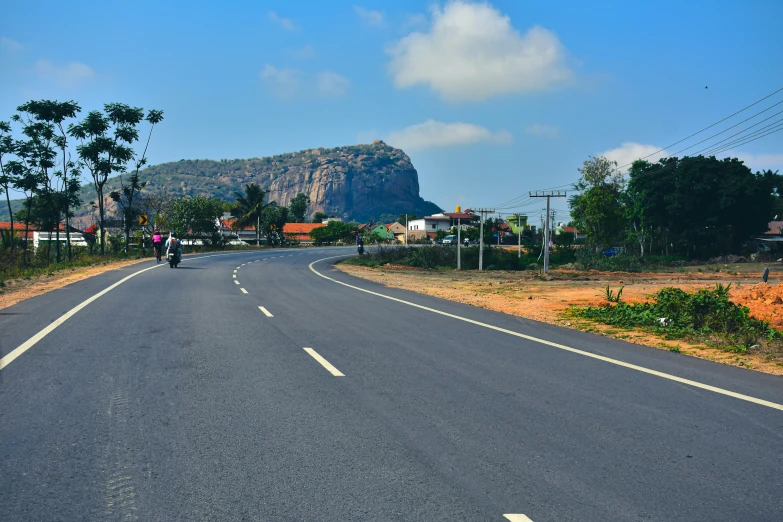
300	231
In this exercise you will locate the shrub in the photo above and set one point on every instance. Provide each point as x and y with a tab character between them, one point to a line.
676	314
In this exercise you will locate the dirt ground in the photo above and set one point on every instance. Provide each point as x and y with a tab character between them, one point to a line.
527	295
17	290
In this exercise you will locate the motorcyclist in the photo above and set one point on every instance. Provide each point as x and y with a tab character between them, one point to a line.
157	243
173	245
360	242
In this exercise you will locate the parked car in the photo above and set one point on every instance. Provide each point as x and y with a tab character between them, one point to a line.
613	251
450	240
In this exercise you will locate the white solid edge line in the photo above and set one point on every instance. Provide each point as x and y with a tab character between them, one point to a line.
517	517
326	364
617	362
243	290
266	312
19	350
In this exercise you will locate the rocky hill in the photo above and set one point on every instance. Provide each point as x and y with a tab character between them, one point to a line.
353	182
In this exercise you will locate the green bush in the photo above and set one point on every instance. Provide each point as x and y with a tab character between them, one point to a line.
704	315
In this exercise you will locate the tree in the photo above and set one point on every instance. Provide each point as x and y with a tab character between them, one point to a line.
194	217
105	147
319	217
273	219
25	179
703	206
129	192
6	173
598	208
43	123
249	208
333	231
297	209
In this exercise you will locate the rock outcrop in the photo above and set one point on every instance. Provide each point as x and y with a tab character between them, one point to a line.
357	182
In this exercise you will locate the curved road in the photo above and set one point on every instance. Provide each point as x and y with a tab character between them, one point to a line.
282	394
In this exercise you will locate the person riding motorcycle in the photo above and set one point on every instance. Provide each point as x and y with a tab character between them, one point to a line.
173	245
157	243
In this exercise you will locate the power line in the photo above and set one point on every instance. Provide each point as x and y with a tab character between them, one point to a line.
709	126
740	132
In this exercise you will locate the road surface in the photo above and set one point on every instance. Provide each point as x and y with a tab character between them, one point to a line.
269	386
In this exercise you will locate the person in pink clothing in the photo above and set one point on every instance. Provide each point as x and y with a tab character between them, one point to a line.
157	242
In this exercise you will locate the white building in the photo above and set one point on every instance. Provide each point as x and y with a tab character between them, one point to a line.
42	238
431	223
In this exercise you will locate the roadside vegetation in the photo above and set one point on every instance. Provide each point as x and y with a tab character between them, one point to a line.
706	316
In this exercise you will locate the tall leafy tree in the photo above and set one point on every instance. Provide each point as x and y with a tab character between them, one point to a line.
193	217
249	208
49	117
704	206
105	147
273	219
297	208
26	179
127	197
6	172
319	217
598	207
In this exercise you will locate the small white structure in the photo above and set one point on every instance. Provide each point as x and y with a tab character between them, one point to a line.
42	238
431	223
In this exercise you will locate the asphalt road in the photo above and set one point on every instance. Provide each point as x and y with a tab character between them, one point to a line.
188	395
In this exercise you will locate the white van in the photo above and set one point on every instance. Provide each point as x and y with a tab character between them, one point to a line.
450	240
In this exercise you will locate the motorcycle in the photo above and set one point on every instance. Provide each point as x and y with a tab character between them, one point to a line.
173	258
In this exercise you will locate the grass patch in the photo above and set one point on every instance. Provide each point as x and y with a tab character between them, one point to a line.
706	315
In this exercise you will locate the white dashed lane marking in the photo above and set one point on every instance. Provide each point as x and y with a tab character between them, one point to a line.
243	290
266	312
326	364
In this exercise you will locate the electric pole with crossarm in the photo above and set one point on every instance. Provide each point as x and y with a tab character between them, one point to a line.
547	195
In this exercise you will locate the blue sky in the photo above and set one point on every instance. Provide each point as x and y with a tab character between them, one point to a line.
490	100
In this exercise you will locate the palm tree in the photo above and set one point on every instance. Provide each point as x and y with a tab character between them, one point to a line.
249	207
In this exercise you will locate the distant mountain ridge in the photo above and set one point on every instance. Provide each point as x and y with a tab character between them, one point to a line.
352	182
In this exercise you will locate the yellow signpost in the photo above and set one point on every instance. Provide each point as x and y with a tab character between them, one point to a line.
144	220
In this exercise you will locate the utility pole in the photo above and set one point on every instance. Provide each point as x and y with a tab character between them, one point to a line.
406	229
519	238
459	246
547	195
483	212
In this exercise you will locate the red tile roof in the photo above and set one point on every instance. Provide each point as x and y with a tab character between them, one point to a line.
572	230
300	231
300	228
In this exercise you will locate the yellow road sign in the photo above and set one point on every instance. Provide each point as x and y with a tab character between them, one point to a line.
273	227
144	220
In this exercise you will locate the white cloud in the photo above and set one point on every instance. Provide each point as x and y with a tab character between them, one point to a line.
68	75
304	53
331	84
415	20
368	16
431	134
285	23
10	46
472	52
629	152
762	161
546	131
284	82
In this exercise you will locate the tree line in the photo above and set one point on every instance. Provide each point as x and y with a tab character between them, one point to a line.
694	207
45	150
